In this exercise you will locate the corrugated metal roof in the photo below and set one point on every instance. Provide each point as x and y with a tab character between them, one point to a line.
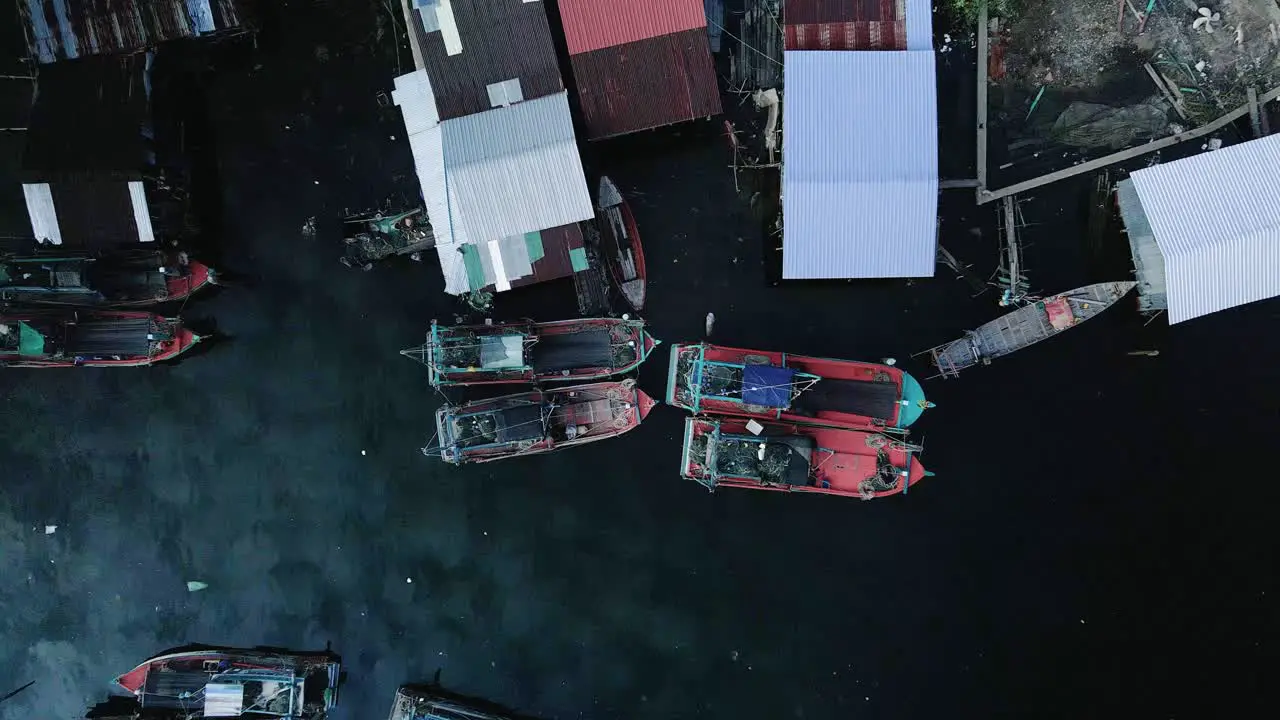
645	84
594	24
860	183
804	12
758	57
68	29
1148	263
500	40
516	169
1216	219
491	177
715	22
858	25
854	35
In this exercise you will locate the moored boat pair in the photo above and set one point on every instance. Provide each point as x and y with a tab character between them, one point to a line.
775	421
538	420
69	311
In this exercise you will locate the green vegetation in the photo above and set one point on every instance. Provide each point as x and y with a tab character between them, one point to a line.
966	11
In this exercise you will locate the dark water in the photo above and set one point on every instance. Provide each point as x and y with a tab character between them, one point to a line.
1098	537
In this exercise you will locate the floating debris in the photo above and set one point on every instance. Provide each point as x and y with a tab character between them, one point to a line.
50	529
196	586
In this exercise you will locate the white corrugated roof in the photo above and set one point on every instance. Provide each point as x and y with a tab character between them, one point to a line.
860	181
516	169
1216	219
492	176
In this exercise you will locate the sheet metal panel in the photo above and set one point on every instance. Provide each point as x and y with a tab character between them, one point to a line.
646	84
860	186
806	12
1216	219
855	35
1148	263
500	40
68	29
595	24
43	215
516	169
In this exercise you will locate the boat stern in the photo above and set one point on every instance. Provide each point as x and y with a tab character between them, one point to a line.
913	402
673	376
445	447
644	403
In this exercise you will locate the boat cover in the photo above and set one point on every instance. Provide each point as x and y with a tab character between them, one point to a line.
223	700
869	399
172	689
767	386
501	352
523	422
573	351
30	341
111	337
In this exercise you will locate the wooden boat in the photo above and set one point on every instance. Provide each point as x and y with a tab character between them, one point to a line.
433	703
228	682
526	351
373	236
90	338
538	421
134	279
1026	326
622	250
705	378
724	452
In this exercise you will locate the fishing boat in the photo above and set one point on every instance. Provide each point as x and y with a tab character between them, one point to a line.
433	703
725	452
1025	326
537	421
228	682
90	338
705	378
527	351
622	250
117	280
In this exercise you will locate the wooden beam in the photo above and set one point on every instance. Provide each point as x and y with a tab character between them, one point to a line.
1255	112
1169	97
984	52
986	196
955	184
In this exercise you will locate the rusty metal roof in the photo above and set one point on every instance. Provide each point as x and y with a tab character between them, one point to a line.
852	35
69	29
594	24
646	84
810	12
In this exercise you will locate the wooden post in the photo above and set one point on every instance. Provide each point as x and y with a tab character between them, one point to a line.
1169	97
984	52
1255	113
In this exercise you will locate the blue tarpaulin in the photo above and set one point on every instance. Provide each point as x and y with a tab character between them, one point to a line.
767	385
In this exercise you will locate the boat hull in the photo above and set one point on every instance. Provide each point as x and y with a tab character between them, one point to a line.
176	286
1027	326
624	253
538	421
558	351
166	338
840	393
848	463
314	676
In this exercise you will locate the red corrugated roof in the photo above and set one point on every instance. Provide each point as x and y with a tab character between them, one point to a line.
646	84
812	12
594	24
847	36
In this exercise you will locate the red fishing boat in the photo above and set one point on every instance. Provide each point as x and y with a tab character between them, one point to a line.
125	279
91	338
537	421
228	682
526	351
723	452
622	250
719	380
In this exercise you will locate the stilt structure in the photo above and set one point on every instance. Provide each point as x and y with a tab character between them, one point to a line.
1009	277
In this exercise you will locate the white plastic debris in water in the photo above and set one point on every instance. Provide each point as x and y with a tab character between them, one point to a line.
711	322
364	452
50	529
196	586
754	427
409	580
